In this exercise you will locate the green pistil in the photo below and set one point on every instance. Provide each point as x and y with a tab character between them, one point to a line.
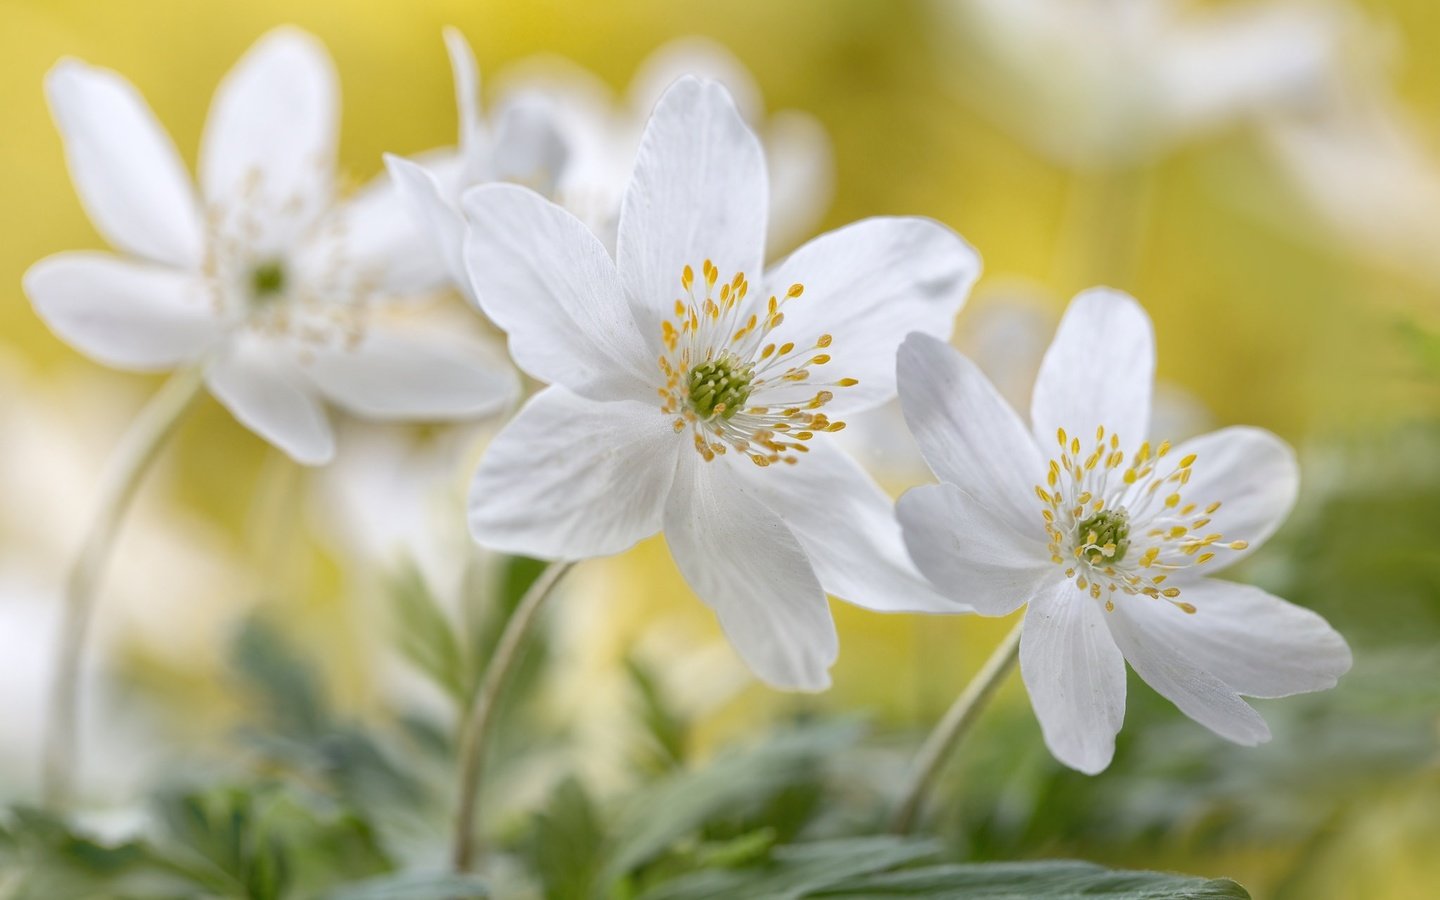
720	387
1105	529
267	280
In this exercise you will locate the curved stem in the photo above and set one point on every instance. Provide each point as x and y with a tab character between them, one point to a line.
482	712
953	727
138	449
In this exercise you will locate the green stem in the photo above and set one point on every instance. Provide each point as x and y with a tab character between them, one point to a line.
952	729
137	451
476	729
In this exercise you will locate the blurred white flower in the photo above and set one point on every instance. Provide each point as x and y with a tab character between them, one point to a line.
1117	82
684	414
1364	166
1107	541
604	132
277	288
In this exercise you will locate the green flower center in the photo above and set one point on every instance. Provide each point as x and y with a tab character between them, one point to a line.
720	387
267	281
1105	536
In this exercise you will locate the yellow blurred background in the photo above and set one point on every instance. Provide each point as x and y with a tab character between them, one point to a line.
1265	311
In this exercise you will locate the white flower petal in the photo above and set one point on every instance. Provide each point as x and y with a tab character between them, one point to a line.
699	192
529	148
802	177
467	94
125	167
570	478
124	314
967	433
415	374
429	208
868	285
969	552
1256	643
1099	370
1254	476
376	235
269	142
847	527
546	280
268	393
741	559
1075	676
1168	669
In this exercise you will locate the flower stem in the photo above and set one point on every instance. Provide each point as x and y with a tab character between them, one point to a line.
137	451
481	715
953	727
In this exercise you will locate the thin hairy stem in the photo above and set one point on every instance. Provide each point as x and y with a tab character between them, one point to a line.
952	730
138	449
476	730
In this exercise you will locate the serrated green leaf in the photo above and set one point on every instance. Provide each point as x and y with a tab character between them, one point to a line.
666	731
425	635
1042	880
281	678
414	886
677	806
798	870
567	843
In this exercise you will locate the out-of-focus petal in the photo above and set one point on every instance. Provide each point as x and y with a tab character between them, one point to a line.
125	167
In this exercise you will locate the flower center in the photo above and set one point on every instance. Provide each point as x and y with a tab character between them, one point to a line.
267	282
719	387
733	388
1106	535
1098	510
286	267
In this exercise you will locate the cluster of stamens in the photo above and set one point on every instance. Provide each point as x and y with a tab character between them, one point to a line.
718	360
1122	526
261	292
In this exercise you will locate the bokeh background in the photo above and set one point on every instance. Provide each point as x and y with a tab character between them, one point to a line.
1287	246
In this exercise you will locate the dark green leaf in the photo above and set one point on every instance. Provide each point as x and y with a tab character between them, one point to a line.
677	806
797	871
1044	880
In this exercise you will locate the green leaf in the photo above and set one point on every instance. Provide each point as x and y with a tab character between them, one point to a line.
282	679
669	810
568	842
798	870
425	636
414	886
1043	880
666	731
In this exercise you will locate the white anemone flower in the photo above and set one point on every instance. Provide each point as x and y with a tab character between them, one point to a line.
280	291
604	131
685	400
1108	538
1104	82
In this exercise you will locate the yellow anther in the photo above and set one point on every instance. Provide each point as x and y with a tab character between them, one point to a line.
795	290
